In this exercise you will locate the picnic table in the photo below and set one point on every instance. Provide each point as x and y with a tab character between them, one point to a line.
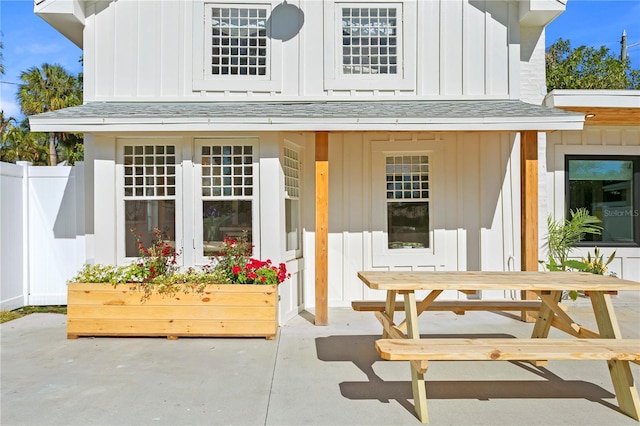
402	341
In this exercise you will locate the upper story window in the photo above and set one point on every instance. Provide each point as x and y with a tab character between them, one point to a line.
233	49
239	41
609	188
371	45
370	40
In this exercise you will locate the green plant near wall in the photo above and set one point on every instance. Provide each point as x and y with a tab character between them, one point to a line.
561	238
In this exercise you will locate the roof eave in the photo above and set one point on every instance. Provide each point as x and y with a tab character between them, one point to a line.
199	124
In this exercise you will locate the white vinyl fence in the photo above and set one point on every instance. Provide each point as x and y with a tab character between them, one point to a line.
42	242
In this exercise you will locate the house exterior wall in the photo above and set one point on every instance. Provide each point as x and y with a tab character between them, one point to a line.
593	140
467	49
474	181
268	229
153	51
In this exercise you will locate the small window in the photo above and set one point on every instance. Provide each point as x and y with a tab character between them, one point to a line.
239	44
608	187
407	195
227	193
149	194
366	46
292	177
370	40
234	47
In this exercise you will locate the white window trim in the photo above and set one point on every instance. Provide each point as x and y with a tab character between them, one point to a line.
296	254
204	81
406	77
559	171
382	255
121	257
200	258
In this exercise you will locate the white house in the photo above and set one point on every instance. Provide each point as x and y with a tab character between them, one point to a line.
346	135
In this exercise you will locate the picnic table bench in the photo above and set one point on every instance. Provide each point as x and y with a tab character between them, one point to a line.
402	341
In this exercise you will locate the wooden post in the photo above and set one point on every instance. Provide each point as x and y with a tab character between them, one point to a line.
322	228
529	209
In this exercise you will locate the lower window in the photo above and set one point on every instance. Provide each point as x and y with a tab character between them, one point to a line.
143	217
407	190
224	219
609	188
408	225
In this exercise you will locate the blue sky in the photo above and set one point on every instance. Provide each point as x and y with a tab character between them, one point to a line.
29	41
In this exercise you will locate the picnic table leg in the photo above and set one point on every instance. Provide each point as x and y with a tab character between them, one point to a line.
543	322
623	383
545	317
389	309
417	368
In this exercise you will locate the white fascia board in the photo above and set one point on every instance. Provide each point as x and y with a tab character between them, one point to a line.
291	124
66	16
540	13
593	98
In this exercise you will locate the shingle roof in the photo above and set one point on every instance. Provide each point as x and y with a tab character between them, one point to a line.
309	115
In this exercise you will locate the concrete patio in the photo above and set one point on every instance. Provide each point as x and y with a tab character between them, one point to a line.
308	376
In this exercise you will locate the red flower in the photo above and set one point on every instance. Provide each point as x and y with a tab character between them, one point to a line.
236	270
263	279
252	275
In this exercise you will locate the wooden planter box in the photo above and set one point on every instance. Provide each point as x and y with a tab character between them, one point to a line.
221	310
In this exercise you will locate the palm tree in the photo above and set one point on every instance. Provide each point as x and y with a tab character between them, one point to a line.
45	89
17	143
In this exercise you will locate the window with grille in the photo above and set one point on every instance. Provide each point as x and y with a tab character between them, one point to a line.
369	49
292	177
407	195
239	43
227	193
370	40
149	194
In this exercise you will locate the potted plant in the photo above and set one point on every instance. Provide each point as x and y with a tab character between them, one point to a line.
236	295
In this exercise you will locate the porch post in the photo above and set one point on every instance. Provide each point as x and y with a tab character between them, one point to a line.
322	227
528	208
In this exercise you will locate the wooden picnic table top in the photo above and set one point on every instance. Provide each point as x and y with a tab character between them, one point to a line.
488	280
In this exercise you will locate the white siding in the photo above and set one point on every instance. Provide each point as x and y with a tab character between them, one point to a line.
144	50
594	140
475	183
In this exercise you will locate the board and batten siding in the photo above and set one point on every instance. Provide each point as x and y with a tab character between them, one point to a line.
593	140
474	179
144	51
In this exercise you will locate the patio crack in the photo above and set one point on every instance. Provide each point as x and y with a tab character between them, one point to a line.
273	375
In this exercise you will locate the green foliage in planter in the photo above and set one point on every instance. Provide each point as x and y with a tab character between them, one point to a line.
156	269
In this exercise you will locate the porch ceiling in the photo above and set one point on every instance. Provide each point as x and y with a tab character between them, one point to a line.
362	115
